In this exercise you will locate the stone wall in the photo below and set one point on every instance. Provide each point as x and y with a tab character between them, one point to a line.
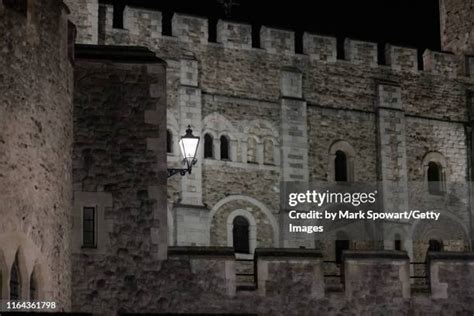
240	85
119	158
289	281
35	148
456	18
85	16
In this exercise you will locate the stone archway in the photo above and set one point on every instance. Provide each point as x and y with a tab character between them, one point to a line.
265	222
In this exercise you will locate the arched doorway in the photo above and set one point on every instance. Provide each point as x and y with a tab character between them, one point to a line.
240	235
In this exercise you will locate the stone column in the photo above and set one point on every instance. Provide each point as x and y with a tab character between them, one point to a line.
189	100
294	147
392	161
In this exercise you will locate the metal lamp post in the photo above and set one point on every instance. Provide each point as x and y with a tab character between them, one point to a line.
188	144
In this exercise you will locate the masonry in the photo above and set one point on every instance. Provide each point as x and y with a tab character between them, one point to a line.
35	149
271	101
94	134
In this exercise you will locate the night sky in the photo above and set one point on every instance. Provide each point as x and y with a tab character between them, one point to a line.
413	23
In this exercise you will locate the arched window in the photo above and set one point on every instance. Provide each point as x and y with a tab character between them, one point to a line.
15	281
251	150
397	242
434	178
169	142
240	234
435	245
268	158
208	146
342	243
34	285
340	166
225	148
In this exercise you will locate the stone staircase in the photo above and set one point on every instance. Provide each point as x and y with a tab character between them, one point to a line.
245	275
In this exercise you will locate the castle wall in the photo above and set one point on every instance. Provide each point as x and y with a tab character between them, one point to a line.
35	148
85	16
290	281
241	85
119	168
457	33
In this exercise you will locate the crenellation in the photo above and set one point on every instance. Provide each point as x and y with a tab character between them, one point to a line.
190	29
320	48
277	41
85	15
361	53
234	35
401	58
440	63
141	26
141	22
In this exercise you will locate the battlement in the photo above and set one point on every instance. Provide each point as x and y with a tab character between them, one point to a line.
401	58
440	63
320	48
360	53
146	24
277	41
234	35
190	29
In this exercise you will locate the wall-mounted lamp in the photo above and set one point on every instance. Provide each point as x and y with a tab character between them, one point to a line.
188	144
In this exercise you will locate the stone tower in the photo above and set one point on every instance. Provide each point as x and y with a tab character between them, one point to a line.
35	150
457	26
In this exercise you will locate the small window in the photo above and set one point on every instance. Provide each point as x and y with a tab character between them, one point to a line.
340	166
434	178
240	234
225	148
33	286
71	39
435	245
15	288
169	142
341	244
268	153
208	146
252	150
88	228
117	21
397	242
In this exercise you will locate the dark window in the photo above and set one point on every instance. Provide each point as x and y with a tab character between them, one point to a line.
169	142
224	147
19	6
88	228
33	286
435	245
240	235
340	166
398	242
15	280
117	22
208	146
434	178
71	39
341	244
